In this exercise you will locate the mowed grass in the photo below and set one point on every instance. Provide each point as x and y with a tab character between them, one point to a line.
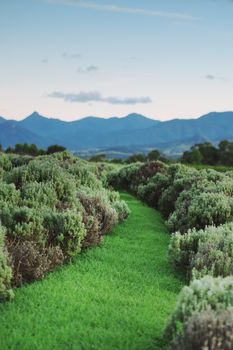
115	296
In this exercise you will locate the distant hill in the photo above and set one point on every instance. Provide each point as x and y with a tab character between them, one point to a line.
11	133
134	132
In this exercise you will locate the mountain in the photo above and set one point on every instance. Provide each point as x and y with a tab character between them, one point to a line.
11	133
134	132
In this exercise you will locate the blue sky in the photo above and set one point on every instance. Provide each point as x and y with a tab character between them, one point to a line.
71	58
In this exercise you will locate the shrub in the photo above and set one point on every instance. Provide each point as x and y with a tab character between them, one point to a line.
209	209
131	176
34	194
23	223
37	170
122	209
51	207
123	178
215	254
183	247
196	208
116	203
85	175
5	270
67	230
99	216
203	252
147	171
31	262
180	178
207	330
205	294
152	191
8	194
5	162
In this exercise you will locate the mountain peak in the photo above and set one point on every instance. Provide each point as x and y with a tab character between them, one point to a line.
135	115
34	115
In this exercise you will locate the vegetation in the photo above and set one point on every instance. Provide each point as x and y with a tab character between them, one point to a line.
198	207
203	252
116	296
206	153
201	156
134	158
51	207
212	329
33	150
54	206
201	295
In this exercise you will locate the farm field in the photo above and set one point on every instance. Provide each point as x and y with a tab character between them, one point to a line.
118	295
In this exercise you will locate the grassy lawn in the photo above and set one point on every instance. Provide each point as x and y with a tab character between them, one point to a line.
116	296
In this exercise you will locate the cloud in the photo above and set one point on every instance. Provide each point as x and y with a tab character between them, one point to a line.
95	96
210	77
89	69
44	60
128	10
68	55
92	69
214	77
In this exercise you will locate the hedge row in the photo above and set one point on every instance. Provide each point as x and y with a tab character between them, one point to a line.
198	208
51	207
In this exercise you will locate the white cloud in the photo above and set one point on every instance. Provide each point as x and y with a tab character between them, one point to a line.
128	10
214	77
69	55
89	69
95	96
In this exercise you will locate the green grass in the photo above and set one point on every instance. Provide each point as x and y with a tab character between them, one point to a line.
115	296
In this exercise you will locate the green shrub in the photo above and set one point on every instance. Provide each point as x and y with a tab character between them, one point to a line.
180	178
152	191
203	252
5	270
5	162
215	254
205	294
116	203
52	206
9	194
67	230
34	194
207	330
145	172
23	223
183	247
197	208
209	209
122	209
85	175
123	178
131	176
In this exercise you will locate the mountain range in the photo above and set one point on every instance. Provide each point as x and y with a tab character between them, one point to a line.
118	136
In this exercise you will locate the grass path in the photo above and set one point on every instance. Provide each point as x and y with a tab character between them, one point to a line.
116	296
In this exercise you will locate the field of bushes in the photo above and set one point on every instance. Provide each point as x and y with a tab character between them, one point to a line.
51	208
198	208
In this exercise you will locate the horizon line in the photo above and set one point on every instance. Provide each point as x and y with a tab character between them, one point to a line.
113	117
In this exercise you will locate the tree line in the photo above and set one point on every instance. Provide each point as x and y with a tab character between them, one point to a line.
137	157
207	153
32	149
202	153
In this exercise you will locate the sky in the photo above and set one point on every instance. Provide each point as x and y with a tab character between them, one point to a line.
69	59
